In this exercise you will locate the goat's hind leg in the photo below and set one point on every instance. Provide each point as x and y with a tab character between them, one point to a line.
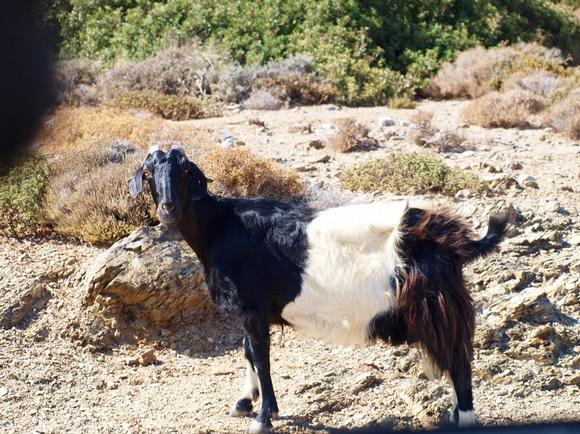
462	414
243	406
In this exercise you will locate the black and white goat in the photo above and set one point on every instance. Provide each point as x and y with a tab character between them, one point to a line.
349	275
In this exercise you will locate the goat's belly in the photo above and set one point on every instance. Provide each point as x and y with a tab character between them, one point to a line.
348	279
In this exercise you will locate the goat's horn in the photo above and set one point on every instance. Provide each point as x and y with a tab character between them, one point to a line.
154	148
177	148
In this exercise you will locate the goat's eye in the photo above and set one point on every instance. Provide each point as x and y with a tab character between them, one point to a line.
146	175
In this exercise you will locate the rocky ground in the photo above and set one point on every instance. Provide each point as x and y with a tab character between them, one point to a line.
62	373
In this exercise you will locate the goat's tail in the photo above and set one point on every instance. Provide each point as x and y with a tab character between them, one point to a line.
496	230
433	300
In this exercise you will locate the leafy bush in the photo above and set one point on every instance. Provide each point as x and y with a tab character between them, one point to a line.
238	172
564	116
177	108
358	46
21	191
504	110
409	174
88	197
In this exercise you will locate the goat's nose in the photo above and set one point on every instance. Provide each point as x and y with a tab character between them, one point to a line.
168	207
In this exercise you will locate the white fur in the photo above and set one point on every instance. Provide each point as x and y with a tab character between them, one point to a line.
251	383
466	419
347	280
258	428
153	148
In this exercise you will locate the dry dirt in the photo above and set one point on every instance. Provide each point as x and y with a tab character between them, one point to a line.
526	366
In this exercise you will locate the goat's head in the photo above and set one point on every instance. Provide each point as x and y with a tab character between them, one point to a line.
174	182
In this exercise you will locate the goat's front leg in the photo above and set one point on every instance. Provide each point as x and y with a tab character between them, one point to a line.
258	334
243	406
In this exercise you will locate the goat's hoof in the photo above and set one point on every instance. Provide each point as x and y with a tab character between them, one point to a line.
242	408
255	394
462	419
257	427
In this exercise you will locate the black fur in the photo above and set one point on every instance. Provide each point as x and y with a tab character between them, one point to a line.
254	252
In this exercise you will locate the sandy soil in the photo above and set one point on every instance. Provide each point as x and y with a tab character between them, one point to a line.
50	384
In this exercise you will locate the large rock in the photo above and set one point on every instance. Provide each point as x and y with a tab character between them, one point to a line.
152	274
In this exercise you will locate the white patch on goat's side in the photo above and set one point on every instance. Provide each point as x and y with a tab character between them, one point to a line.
466	419
348	278
153	148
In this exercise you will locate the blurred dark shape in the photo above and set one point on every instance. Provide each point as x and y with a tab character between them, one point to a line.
26	84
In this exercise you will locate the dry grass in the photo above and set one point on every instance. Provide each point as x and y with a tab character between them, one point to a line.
409	174
564	116
296	88
75	82
88	198
72	129
263	100
541	83
479	71
427	136
351	136
512	109
425	130
184	71
238	172
174	107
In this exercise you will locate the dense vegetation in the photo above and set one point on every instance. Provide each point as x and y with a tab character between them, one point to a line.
370	50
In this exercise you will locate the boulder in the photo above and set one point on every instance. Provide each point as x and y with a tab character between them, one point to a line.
151	275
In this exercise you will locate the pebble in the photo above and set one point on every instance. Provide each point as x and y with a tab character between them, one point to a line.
385	121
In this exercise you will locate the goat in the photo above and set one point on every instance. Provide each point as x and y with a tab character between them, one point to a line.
349	275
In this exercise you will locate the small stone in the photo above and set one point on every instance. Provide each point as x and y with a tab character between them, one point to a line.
3	391
227	140
316	144
552	384
528	181
574	380
148	358
332	108
324	159
385	121
463	194
514	165
365	381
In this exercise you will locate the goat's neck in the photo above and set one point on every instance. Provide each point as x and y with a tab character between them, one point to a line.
200	224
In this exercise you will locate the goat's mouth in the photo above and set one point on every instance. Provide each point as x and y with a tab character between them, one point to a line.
167	218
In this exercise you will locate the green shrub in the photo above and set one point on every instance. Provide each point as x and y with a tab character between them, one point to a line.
177	108
356	45
21	190
409	174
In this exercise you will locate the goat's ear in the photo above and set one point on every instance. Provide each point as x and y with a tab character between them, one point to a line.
197	182
136	183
